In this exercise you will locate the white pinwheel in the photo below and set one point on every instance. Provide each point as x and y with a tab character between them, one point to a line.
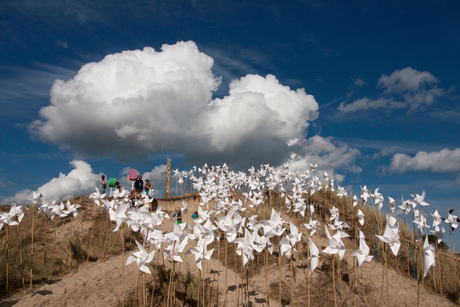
392	204
288	203
7	218
439	233
406	205
452	220
286	247
355	200
184	207
341	192
142	258
378	198
336	245
420	222
72	209
96	195
428	256
200	252
175	249
419	199
58	210
294	236
312	226
391	234
18	210
362	253
119	216
360	216
436	218
365	193
203	215
314	255
334	213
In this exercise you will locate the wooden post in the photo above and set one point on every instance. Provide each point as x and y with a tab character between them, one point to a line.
168	178
32	246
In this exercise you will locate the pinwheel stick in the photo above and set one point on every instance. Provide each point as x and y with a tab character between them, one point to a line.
32	247
218	269
362	281
20	254
123	266
308	280
7	252
226	271
236	281
266	277
292	282
333	281
279	269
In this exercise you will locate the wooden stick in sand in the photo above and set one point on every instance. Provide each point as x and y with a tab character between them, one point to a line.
32	247
218	269
266	277
123	266
7	260
292	282
226	271
279	273
236	281
333	281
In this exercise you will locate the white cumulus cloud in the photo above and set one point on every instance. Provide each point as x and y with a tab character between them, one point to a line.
405	88
79	180
444	161
145	102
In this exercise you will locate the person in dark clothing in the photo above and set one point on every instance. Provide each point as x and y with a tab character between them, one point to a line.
139	185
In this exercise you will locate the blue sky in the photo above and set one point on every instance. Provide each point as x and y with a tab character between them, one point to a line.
383	78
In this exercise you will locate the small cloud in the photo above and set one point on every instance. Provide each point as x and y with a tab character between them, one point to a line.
62	44
405	88
319	79
386	152
359	82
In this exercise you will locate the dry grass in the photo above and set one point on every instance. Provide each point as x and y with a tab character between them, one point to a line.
56	253
187	287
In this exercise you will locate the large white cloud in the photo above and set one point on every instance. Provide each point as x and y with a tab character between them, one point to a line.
410	86
444	161
79	180
143	102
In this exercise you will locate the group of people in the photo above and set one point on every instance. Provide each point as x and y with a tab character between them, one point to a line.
104	185
139	189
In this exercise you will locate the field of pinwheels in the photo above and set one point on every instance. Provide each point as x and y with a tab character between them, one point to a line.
266	237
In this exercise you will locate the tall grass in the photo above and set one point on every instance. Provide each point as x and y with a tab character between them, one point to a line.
54	257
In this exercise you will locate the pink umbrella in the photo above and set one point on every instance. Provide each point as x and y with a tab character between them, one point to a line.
133	174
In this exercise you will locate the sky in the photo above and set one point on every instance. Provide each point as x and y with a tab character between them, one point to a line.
366	89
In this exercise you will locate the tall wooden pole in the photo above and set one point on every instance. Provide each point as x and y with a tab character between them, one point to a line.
32	247
168	178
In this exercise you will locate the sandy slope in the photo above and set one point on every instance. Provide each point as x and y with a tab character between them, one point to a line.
99	283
